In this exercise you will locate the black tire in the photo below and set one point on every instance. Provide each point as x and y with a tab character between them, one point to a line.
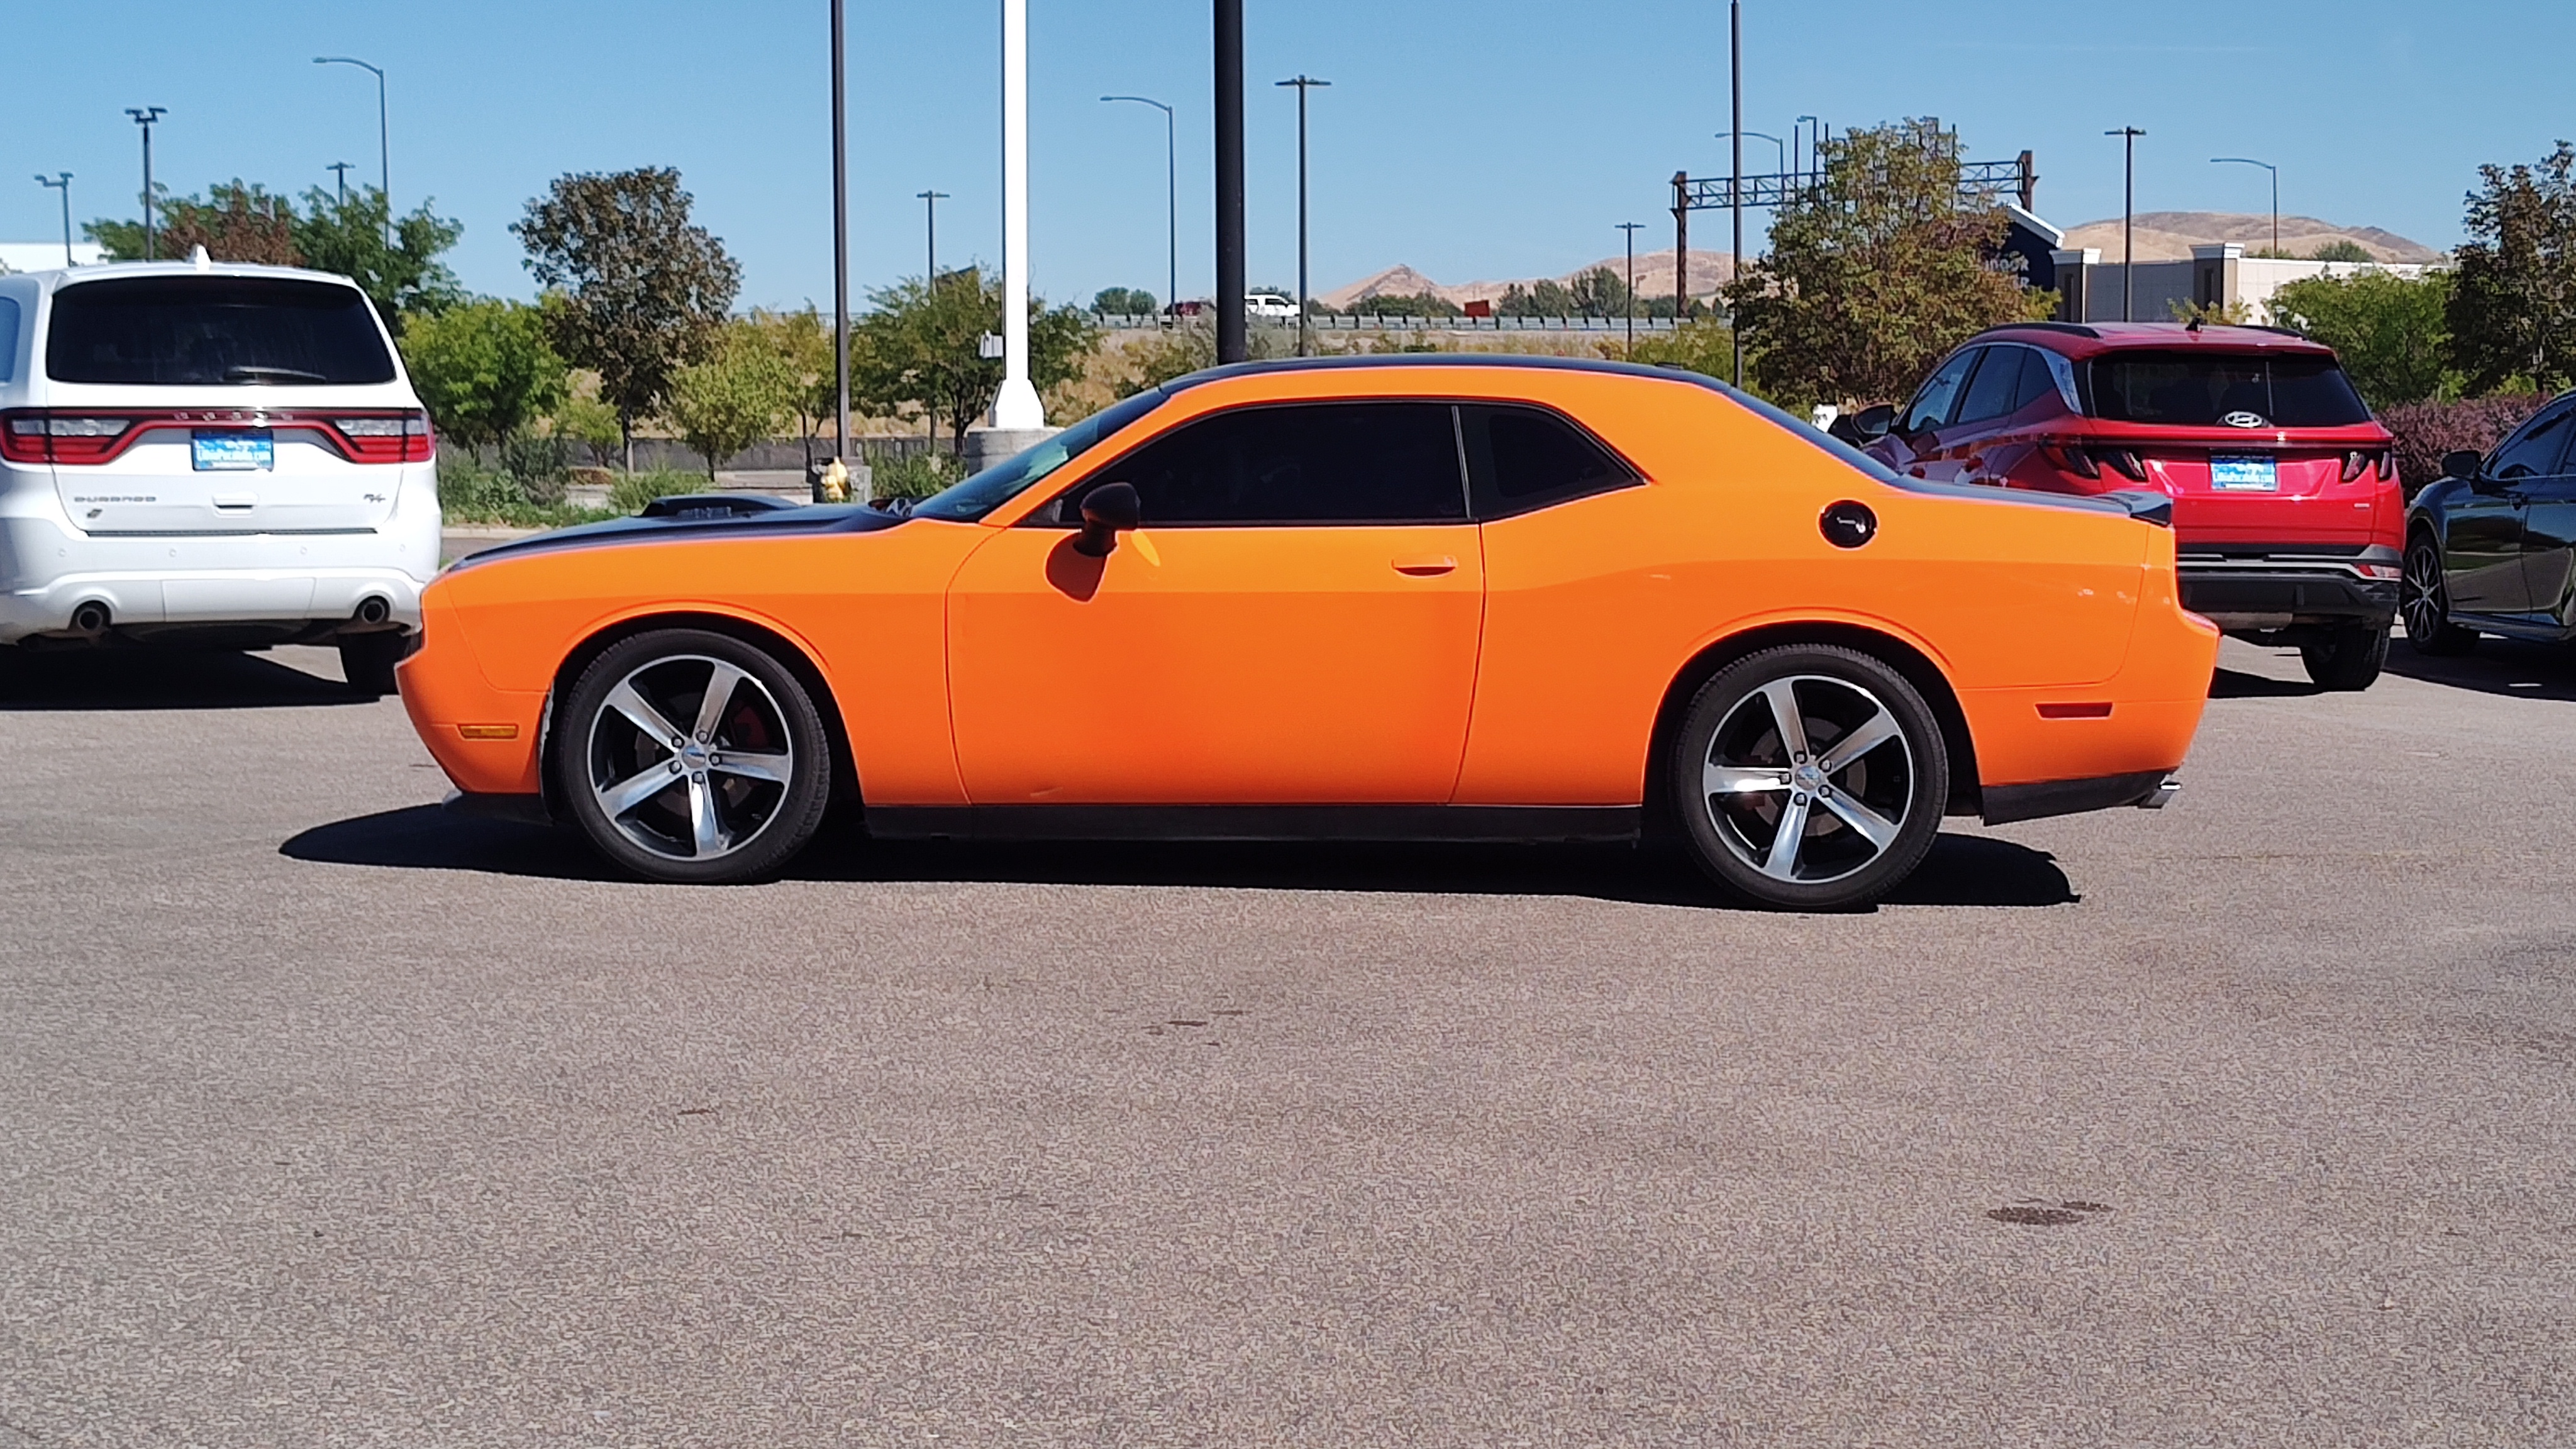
1733	725
2425	602
367	660
761	773
2348	656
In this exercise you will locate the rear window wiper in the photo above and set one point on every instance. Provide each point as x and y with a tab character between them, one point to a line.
271	374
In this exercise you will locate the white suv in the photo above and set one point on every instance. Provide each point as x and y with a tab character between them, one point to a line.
210	454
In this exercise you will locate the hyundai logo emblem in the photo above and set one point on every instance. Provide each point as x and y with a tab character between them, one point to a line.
2243	420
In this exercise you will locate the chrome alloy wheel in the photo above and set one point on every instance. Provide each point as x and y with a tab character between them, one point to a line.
1809	779
2420	597
697	792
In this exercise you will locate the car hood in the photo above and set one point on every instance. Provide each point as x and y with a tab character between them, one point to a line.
690	527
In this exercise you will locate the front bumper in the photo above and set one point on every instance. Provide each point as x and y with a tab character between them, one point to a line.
2246	589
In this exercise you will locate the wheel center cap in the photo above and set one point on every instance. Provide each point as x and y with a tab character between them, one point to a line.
693	755
1807	777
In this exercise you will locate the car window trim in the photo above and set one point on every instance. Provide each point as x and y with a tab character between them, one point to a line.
1633	476
1106	472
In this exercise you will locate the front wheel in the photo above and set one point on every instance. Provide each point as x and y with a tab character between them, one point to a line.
2347	656
1810	777
692	757
2424	598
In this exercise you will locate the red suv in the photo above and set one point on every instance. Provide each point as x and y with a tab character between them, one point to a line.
2287	515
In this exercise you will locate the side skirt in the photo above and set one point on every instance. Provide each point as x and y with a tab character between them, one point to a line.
1521	823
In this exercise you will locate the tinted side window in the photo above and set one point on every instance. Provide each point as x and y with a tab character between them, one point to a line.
1931	406
8	338
1523	459
2036	380
2535	450
1297	463
1996	383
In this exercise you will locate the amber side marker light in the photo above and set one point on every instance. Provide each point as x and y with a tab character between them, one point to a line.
2100	709
511	731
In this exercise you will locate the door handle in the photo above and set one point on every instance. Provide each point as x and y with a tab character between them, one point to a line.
1426	565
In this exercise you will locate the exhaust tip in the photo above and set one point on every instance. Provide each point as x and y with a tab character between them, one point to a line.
374	610
2162	795
91	617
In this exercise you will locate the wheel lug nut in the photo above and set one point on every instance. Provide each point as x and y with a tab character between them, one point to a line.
675	767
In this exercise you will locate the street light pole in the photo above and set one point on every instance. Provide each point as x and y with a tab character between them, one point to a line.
144	116
340	176
1172	191
1735	90
2276	190
1779	148
930	258
1815	147
1230	339
63	184
384	137
1630	227
1305	336
2128	218
840	239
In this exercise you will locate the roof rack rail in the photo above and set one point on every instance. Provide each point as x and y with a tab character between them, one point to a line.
2071	329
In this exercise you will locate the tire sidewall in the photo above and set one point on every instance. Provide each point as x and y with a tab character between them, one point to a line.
798	813
1718	699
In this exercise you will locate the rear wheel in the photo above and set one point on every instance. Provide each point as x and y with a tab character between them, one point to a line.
2347	656
367	660
2424	598
1810	777
693	757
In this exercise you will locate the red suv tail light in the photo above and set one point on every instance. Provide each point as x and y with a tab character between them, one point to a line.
2124	460
2068	457
2360	460
38	435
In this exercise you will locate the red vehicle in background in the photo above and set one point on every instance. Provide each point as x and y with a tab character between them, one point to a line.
2288	520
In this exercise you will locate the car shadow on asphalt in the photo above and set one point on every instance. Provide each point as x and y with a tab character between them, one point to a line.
2237	684
1962	870
148	679
2512	667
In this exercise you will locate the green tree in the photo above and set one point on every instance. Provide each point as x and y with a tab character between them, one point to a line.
1542	298
1420	304
919	345
1599	292
584	419
237	221
1876	273
2513	303
1123	302
2342	249
2392	332
735	397
484	369
405	279
803	345
638	290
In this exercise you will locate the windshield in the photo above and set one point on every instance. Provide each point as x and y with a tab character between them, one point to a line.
969	501
2208	389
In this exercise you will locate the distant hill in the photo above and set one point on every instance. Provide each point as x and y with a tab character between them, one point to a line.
1708	272
2170	236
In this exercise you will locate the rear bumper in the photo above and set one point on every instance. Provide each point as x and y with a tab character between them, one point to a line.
2247	590
48	570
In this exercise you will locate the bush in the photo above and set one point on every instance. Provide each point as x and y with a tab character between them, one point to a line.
540	465
471	493
632	491
2427	430
913	475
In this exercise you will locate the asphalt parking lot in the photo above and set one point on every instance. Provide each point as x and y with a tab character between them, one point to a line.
328	1119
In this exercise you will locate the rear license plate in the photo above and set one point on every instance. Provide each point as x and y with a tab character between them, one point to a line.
2245	475
251	452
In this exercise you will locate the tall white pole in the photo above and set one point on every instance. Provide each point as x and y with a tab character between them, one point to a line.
1017	406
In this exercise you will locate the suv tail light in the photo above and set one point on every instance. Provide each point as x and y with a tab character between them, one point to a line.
39	435
2124	460
2359	460
2068	457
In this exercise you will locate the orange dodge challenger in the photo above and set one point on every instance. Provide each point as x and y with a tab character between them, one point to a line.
1435	598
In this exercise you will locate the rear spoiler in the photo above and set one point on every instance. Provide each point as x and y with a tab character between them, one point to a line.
2144	506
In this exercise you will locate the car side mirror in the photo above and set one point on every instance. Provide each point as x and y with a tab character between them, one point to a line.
1873	423
2462	464
1107	511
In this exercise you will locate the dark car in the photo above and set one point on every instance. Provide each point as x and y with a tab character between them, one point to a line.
2491	546
2287	513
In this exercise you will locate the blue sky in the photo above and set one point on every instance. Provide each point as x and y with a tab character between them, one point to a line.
1493	139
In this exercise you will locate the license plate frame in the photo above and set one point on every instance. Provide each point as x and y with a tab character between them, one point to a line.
2244	473
233	450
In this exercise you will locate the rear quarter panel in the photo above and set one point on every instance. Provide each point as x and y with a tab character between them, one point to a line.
1596	606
